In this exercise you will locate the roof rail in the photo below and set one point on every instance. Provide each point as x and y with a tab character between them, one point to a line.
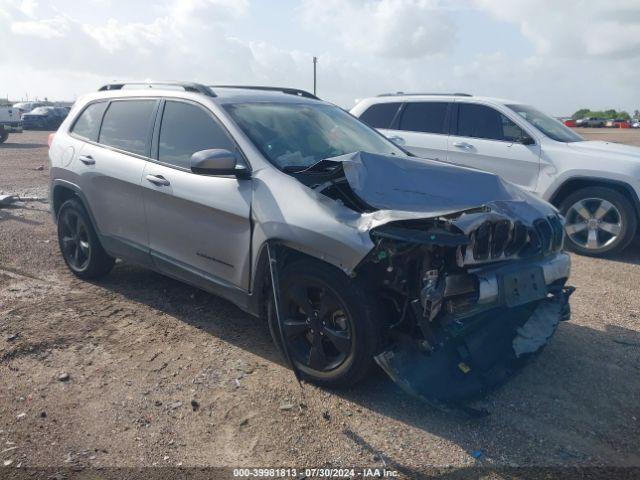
435	94
187	86
287	90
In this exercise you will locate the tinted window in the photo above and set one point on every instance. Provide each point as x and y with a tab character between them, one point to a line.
424	117
126	125
186	129
549	126
88	124
380	115
480	121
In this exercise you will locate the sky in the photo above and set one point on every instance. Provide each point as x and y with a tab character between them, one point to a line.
557	55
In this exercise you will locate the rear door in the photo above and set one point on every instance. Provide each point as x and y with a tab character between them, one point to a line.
199	226
421	128
110	169
486	139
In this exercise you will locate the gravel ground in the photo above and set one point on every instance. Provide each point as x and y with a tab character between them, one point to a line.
139	370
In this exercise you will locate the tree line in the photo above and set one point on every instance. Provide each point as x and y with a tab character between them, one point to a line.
606	114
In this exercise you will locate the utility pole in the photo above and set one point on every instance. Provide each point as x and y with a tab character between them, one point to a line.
315	62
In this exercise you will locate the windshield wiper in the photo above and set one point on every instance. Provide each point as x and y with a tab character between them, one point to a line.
324	165
294	168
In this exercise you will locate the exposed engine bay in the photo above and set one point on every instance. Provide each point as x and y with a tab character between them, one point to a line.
472	288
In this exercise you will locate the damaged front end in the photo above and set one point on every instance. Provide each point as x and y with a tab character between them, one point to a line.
465	323
471	269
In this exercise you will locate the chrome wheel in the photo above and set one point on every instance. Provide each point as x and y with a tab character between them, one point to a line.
74	240
593	223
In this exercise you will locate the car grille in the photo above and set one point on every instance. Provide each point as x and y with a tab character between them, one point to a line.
503	239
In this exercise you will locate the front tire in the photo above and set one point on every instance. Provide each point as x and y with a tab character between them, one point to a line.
3	137
599	221
79	243
329	322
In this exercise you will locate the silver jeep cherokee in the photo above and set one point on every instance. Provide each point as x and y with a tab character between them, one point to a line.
449	278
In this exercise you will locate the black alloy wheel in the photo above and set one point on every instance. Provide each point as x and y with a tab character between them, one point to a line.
331	323
79	244
74	240
317	327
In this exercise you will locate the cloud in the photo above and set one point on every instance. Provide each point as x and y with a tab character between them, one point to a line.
189	12
365	47
28	7
173	45
574	28
188	40
44	29
386	28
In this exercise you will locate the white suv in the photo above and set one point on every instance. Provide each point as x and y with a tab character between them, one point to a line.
595	184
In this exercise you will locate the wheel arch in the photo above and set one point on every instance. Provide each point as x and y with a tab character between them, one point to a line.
59	195
261	277
576	183
61	191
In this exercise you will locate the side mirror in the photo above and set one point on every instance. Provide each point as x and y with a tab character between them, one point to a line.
217	162
526	140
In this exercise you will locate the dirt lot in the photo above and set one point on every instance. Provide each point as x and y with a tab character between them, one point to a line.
616	135
163	374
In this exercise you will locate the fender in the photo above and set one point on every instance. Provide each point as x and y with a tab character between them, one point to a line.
586	180
78	193
260	270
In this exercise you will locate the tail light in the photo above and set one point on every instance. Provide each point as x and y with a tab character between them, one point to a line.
50	140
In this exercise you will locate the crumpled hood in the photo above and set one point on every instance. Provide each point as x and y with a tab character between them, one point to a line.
599	147
421	187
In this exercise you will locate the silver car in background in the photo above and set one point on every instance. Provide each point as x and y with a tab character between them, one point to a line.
355	252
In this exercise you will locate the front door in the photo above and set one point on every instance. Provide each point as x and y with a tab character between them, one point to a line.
486	139
199	226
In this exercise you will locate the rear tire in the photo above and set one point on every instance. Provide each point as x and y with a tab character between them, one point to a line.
599	221
3	137
341	320
79	243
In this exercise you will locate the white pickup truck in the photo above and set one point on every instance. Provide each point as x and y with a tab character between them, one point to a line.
9	122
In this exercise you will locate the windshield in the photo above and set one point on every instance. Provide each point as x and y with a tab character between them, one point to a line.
300	135
551	127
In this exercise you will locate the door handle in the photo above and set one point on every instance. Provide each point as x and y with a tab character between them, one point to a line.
463	145
398	140
87	159
158	180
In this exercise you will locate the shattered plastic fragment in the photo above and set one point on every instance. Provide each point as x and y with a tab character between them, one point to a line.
469	364
6	200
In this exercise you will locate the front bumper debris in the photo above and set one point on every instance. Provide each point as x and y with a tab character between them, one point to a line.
495	345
